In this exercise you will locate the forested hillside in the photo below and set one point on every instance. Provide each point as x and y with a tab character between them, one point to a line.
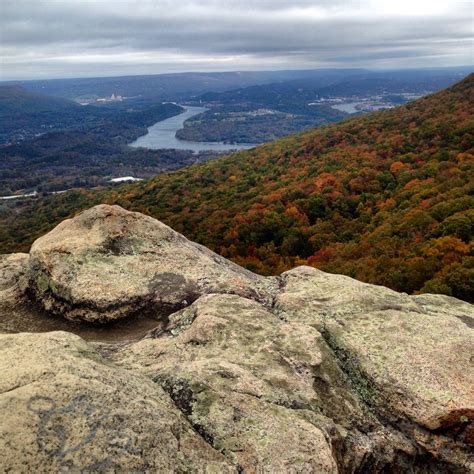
387	198
25	115
56	144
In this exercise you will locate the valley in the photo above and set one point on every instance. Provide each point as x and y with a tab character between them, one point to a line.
384	197
165	135
85	146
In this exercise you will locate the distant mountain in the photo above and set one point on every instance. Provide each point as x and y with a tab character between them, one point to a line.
16	100
271	94
391	83
23	112
338	83
168	86
387	198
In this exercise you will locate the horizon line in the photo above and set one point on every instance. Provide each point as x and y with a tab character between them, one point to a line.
375	69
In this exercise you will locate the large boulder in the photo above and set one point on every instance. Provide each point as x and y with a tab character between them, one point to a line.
108	263
65	409
305	372
409	358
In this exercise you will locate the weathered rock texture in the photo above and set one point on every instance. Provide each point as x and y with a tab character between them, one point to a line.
64	408
307	372
108	263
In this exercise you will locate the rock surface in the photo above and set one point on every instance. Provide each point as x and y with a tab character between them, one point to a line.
64	408
13	268
242	377
108	263
307	372
410	358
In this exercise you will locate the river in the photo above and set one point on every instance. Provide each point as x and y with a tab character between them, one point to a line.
162	135
349	107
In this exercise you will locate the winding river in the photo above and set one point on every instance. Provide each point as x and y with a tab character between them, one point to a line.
162	135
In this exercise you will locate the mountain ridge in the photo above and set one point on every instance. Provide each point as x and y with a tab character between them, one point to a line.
386	198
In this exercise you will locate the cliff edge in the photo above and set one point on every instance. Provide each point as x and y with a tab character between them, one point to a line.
305	372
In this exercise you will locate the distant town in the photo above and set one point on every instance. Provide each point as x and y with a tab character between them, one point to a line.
102	100
356	104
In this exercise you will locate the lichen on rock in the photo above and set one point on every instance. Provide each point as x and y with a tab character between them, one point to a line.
64	408
305	372
108	263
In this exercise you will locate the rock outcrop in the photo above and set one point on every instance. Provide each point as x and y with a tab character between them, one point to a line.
306	372
108	263
65	409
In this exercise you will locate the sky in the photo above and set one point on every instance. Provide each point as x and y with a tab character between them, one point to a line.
42	39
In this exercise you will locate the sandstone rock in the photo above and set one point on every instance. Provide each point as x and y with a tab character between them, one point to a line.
13	281
13	268
107	263
64	409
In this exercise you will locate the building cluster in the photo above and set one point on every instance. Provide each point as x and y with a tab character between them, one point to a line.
112	98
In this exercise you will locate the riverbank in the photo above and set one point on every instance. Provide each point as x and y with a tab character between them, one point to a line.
162	135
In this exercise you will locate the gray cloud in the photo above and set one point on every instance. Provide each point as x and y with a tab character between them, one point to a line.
67	38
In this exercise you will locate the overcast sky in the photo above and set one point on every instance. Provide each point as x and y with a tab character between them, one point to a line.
74	38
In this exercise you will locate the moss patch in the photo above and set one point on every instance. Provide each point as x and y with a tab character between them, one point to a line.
360	382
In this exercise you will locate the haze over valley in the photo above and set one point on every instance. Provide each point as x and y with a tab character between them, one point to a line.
236	236
70	145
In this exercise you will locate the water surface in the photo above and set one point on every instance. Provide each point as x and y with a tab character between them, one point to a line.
349	107
162	135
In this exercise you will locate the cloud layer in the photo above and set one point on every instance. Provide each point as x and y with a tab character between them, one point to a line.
71	38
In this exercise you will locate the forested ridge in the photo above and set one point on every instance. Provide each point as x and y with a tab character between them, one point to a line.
387	198
55	144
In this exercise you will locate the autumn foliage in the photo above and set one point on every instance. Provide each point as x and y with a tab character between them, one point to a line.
387	198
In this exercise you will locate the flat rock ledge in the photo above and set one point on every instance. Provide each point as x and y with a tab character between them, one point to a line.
307	372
